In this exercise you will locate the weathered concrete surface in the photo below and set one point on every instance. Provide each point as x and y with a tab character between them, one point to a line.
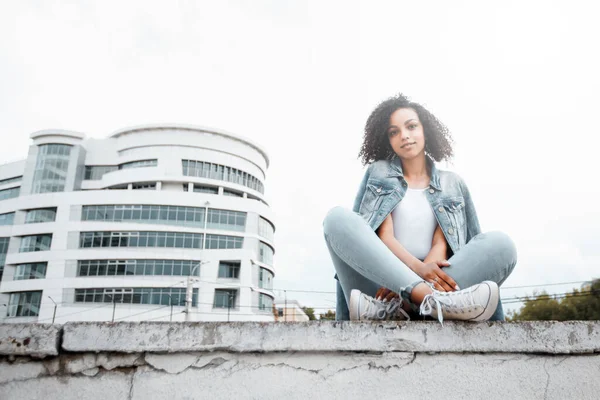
577	337
289	375
37	340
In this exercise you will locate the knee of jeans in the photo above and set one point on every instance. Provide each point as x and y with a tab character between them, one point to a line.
334	218
504	246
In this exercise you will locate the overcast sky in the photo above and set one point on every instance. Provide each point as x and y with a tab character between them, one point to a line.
516	82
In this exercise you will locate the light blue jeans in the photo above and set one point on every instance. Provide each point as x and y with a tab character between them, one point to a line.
362	261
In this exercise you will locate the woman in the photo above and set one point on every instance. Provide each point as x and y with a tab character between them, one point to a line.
413	229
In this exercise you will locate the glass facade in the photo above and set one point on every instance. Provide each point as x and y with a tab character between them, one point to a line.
167	215
51	168
137	267
30	271
232	193
9	193
265	253
144	186
206	189
11	180
164	296
3	250
229	269
139	164
265	279
95	172
265	303
157	239
40	215
265	229
225	298
7	219
220	172
24	304
35	243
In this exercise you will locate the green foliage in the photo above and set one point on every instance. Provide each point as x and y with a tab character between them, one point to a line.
328	316
582	304
310	312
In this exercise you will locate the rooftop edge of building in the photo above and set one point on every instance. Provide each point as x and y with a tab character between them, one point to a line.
540	337
199	128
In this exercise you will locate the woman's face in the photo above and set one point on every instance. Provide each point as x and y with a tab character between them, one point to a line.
406	134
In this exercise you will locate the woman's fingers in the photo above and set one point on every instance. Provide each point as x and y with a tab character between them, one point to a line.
443	263
446	281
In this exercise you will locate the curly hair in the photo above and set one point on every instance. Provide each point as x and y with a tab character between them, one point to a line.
376	145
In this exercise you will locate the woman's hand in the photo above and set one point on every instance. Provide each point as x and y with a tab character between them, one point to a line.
432	272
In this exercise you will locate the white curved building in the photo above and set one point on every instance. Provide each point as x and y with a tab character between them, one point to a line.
111	229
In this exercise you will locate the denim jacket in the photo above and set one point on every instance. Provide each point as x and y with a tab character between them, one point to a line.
384	186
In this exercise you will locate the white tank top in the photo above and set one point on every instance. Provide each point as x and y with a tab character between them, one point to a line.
414	223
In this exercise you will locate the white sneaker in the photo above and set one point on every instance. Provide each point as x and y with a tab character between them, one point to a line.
364	307
477	303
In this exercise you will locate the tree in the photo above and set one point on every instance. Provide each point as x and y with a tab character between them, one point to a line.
583	304
328	316
310	312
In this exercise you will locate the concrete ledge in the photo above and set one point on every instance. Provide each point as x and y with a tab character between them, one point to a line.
37	340
577	337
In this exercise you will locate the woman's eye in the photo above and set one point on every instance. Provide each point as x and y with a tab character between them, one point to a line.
411	127
392	133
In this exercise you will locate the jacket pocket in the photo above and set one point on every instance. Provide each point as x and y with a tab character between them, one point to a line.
374	195
455	210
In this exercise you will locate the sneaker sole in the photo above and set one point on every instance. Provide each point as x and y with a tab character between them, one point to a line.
354	305
492	304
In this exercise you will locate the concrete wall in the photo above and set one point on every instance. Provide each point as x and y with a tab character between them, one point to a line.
148	360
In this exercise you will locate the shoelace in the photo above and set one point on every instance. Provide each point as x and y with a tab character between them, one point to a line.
380	309
447	300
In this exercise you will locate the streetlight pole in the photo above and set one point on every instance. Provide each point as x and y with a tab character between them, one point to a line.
190	283
55	305
285	307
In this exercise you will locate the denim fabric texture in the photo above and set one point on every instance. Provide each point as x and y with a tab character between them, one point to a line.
383	187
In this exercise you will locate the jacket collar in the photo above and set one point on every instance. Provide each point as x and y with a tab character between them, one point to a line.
396	170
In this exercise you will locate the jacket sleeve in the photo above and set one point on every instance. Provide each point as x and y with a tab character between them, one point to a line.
361	190
473	228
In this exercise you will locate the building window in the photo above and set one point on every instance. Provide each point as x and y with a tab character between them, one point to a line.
51	168
40	215
137	267
225	298
206	189
157	239
144	186
223	242
95	172
265	279
163	296
265	303
3	250
229	269
265	253
24	304
280	312
11	180
7	219
265	229
139	164
35	243
232	193
30	271
9	193
208	170
226	220
171	215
